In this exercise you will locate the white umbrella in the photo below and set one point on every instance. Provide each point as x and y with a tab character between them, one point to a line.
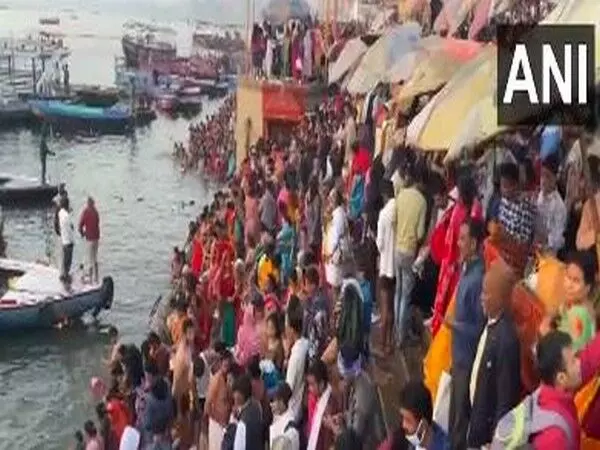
350	54
404	67
379	59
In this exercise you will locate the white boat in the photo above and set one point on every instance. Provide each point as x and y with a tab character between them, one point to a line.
32	296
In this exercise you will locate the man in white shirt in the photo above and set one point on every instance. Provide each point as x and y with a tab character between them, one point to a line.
298	354
67	238
386	245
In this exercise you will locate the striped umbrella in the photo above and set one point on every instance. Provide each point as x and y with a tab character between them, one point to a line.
280	11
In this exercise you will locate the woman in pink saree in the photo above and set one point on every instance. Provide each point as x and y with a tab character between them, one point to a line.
248	338
466	206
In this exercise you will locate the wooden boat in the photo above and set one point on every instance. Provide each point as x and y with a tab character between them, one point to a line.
97	96
15	112
142	45
18	191
189	104
32	296
117	118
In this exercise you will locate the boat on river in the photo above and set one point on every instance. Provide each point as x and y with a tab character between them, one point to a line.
32	296
117	118
18	191
143	44
49	21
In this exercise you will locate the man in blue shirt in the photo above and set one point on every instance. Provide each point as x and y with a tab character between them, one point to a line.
416	411
466	326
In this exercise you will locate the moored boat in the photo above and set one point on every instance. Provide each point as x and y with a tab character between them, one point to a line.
115	118
32	296
49	21
142	45
18	191
167	102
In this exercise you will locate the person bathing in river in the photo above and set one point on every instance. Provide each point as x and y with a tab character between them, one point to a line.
44	151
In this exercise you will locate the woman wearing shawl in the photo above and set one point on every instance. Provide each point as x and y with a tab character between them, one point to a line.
335	229
248	338
321	404
312	218
286	244
197	259
361	163
307	65
467	206
578	317
226	281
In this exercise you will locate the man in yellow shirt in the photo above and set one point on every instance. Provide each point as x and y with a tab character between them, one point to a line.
411	209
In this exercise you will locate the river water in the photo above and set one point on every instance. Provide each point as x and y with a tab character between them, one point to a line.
144	205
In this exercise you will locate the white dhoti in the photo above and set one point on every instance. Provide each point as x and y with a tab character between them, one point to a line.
216	433
58	251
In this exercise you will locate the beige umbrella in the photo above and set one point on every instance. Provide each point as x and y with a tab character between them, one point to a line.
353	50
378	60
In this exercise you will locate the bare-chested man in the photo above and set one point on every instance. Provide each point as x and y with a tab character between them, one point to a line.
218	402
184	382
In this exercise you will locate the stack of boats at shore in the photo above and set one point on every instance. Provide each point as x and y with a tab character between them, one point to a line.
149	77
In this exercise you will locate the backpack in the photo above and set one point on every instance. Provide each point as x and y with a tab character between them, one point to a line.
517	427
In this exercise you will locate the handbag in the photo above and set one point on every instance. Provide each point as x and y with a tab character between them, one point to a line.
441	408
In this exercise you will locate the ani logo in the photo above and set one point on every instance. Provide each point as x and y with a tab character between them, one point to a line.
546	73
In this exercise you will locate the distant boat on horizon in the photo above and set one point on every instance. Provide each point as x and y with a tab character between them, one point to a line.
49	21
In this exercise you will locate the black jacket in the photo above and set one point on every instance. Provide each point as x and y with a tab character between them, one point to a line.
498	381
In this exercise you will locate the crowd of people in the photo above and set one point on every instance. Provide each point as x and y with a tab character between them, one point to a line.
320	234
211	144
269	339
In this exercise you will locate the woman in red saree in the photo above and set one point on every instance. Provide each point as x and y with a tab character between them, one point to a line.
466	206
197	259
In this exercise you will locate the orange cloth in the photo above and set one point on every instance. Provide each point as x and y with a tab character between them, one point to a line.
583	399
175	326
550	283
439	356
527	312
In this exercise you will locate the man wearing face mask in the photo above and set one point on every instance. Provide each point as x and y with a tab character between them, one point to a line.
416	410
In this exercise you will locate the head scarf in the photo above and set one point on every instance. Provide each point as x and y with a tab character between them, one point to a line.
349	365
248	339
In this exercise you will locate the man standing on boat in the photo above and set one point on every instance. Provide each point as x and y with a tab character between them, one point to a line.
44	151
89	228
67	239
